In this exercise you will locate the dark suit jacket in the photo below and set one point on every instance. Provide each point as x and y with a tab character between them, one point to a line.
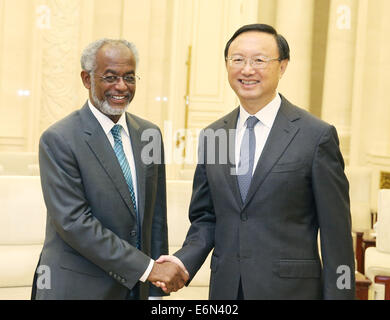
270	241
91	228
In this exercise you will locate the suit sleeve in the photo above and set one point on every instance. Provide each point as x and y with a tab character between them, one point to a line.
200	237
159	225
331	192
71	215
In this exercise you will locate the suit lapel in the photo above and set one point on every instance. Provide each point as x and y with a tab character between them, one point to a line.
230	167
280	136
140	167
101	147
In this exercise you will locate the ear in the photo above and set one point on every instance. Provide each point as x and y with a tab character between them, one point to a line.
283	67
86	78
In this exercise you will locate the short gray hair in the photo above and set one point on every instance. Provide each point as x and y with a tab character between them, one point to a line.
88	57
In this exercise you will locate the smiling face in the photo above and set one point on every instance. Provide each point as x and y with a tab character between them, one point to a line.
112	99
254	87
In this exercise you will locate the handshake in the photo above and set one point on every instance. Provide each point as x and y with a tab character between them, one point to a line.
169	274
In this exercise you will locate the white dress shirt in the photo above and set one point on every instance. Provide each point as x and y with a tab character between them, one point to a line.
107	124
262	129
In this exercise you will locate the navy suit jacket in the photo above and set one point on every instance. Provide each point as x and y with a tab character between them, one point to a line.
270	241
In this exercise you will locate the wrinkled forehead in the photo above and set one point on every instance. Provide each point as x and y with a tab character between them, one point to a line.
115	56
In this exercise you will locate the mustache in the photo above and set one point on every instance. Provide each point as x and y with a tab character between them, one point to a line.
110	94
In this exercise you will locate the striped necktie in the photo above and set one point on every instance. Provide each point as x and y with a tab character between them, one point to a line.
124	164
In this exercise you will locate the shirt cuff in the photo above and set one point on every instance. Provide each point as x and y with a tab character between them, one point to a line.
147	272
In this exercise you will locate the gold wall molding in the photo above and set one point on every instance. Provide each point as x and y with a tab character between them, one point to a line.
12	143
384	182
377	159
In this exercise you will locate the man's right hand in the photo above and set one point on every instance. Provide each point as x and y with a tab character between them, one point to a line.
171	274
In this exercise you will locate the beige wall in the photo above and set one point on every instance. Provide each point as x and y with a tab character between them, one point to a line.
338	69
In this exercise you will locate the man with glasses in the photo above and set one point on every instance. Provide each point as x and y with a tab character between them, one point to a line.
106	205
262	212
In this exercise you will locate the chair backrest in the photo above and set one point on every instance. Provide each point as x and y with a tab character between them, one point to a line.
22	210
360	196
22	230
19	163
383	224
377	266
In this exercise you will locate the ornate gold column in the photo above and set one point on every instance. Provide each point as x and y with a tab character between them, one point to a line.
294	20
339	69
377	64
356	155
60	62
376	88
267	11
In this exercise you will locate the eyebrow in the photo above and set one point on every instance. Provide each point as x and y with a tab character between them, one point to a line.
115	72
254	55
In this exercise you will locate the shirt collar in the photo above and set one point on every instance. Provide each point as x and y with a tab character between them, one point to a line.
106	123
265	115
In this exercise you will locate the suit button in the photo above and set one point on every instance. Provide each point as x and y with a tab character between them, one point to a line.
110	273
133	233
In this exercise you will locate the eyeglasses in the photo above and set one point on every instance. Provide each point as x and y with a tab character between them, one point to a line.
128	79
258	62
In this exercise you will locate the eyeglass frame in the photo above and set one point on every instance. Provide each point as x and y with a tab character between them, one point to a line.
251	61
104	78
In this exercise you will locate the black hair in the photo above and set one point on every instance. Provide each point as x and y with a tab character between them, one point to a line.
284	49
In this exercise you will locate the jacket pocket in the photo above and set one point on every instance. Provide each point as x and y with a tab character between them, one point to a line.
287	166
77	263
298	268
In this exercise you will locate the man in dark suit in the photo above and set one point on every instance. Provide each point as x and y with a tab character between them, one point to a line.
106	204
261	213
